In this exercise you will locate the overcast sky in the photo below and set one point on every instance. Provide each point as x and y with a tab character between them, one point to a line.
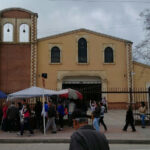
118	18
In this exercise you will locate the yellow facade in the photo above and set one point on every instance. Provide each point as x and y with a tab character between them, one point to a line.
141	75
112	75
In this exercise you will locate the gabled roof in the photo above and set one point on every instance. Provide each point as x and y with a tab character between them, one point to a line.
141	64
19	9
84	30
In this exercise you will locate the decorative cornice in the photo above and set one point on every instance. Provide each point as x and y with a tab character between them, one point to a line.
19	9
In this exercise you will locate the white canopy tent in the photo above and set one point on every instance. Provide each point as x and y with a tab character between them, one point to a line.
35	92
32	92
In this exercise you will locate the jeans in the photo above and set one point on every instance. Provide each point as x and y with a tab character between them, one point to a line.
143	120
102	122
51	122
27	124
61	121
96	124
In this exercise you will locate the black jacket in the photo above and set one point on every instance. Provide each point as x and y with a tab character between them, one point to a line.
87	138
51	111
12	112
38	109
129	116
96	112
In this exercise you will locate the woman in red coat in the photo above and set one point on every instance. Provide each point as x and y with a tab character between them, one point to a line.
4	118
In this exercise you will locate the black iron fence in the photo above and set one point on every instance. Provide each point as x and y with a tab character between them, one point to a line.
135	96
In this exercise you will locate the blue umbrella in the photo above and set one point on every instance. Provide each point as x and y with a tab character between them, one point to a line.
2	95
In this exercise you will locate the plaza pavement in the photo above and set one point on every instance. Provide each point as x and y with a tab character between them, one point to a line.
114	119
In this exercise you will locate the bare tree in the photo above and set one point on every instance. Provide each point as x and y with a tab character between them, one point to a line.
142	50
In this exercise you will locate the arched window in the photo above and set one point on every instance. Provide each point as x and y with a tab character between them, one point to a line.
8	32
108	55
55	55
82	50
24	33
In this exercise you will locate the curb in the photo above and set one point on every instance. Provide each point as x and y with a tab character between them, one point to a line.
3	141
127	141
111	141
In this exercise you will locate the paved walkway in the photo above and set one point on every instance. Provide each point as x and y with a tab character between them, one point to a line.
114	119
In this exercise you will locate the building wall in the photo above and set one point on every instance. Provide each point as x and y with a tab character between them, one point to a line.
141	75
15	67
112	75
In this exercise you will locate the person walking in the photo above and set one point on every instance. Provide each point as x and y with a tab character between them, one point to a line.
71	109
129	119
61	112
51	117
12	117
142	111
96	115
38	117
104	101
25	120
101	121
4	117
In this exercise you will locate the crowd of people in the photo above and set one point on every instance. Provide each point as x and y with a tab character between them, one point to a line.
18	117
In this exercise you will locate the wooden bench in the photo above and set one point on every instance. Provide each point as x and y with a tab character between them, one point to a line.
138	119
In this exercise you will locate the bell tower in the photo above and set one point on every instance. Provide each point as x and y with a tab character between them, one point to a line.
18	49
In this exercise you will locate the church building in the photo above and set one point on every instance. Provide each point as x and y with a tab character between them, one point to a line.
81	59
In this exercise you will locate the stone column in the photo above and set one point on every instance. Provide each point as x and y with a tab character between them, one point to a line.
33	49
129	71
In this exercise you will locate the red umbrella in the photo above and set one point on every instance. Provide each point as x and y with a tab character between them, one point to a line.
72	94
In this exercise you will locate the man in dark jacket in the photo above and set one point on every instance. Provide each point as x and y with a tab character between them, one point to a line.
51	117
87	138
129	119
38	117
12	116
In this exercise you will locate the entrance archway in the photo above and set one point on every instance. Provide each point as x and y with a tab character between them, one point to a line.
90	87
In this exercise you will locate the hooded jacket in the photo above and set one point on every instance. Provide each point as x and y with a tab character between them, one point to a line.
87	138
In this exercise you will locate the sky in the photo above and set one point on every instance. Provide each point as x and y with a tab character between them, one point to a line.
119	18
